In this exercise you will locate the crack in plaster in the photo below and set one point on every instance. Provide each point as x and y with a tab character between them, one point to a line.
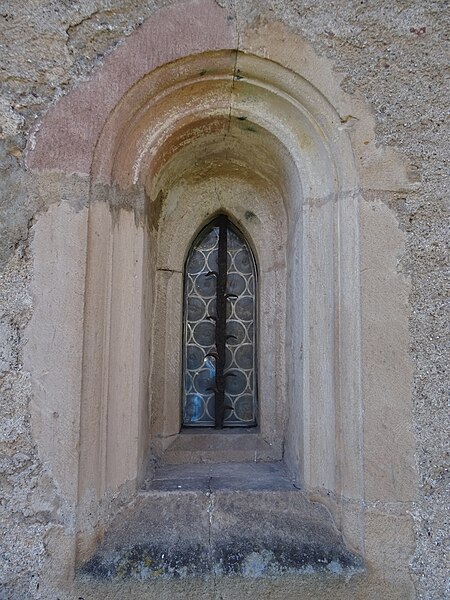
234	77
72	27
210	510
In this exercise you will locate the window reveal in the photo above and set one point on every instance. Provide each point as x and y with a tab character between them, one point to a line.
219	353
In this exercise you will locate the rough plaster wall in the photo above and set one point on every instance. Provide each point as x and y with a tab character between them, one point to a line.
394	53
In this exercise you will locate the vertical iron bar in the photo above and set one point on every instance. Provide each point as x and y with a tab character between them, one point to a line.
221	323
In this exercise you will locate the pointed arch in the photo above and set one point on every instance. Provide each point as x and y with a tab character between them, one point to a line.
219	329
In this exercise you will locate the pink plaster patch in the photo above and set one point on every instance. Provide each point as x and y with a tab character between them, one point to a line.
66	137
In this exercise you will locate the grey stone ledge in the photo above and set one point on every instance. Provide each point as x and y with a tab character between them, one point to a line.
212	521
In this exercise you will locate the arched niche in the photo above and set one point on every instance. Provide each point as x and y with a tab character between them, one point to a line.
235	133
227	131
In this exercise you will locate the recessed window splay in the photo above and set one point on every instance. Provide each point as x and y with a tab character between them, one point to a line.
219	349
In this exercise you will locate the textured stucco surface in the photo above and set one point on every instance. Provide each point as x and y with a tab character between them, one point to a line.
392	53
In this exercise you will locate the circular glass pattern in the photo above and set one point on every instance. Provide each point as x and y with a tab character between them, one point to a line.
204	334
210	240
243	407
196	308
213	264
244	356
235	333
235	284
244	308
196	262
242	262
212	308
205	285
194	357
204	382
235	382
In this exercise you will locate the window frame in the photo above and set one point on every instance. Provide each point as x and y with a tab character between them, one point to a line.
204	231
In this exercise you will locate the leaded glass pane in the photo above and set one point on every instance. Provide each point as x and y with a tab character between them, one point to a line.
210	379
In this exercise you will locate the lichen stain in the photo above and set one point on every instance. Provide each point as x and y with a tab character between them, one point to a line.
148	561
257	558
250	558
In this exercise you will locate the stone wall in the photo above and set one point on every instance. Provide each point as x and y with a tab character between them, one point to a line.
392	55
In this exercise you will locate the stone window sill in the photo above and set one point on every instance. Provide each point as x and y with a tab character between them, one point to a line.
213	520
